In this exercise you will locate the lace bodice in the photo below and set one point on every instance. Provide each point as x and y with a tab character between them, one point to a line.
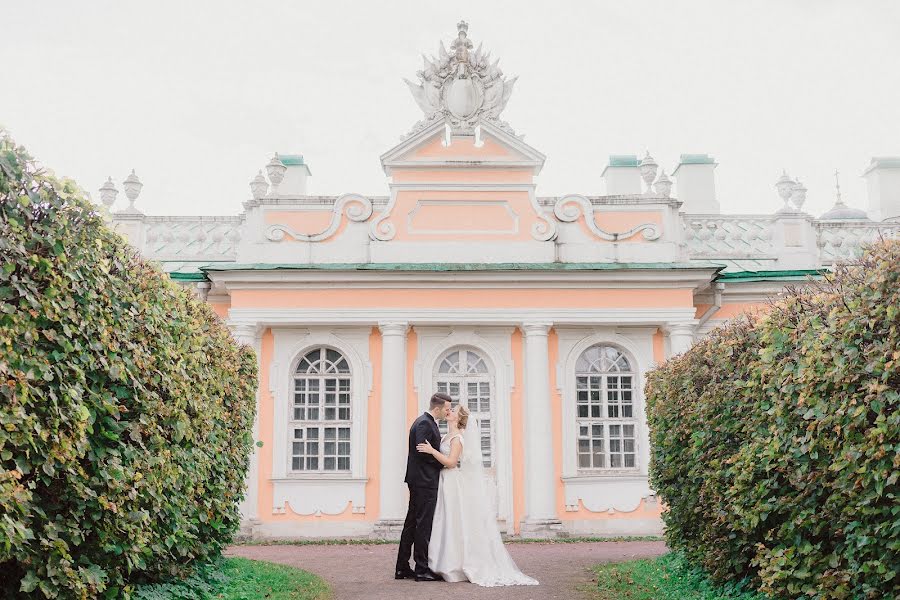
446	442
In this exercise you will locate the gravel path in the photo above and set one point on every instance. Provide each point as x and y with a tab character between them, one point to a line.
366	572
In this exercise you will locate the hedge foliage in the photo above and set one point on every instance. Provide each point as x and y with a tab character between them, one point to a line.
776	440
125	406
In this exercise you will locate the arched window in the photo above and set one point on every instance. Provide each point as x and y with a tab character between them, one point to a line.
464	376
605	412
320	414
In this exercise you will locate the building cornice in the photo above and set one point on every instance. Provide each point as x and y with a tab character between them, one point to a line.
305	317
554	275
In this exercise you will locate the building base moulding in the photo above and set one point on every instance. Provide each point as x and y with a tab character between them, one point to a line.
282	530
652	526
543	529
388	529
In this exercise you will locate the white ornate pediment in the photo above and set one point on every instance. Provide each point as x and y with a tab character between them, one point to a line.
487	146
461	87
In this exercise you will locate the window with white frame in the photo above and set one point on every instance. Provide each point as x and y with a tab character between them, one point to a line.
320	418
464	376
605	415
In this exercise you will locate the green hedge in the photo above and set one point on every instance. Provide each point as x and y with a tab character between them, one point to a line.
775	441
125	406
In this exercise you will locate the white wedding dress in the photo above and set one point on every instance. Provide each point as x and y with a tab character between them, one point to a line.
465	541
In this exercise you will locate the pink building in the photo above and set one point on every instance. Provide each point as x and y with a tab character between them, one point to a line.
542	314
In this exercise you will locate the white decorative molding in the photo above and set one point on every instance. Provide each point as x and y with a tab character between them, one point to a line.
318	495
839	241
462	87
500	277
358	208
569	208
606	494
189	238
293	317
514	218
637	344
495	345
545	229
730	236
380	228
327	493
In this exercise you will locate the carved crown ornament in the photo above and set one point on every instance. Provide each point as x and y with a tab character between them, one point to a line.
461	87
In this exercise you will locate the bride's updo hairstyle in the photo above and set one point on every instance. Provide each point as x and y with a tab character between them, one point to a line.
463	413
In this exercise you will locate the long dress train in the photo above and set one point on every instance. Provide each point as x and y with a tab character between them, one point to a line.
465	540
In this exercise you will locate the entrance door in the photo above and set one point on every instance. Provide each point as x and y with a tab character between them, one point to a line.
464	376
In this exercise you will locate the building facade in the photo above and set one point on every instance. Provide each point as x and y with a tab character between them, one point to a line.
542	314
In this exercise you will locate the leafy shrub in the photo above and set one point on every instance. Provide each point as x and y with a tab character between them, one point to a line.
125	406
776	440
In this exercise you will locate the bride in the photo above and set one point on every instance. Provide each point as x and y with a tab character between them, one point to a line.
465	541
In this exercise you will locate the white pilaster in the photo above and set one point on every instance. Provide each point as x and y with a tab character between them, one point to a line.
250	334
540	510
393	420
681	336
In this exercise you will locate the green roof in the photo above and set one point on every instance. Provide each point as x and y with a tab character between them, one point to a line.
623	160
748	276
459	266
696	159
188	276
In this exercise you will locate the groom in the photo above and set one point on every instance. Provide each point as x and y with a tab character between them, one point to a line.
422	476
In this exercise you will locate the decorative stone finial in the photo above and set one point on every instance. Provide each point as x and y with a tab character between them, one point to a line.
663	185
259	186
798	194
108	193
648	173
837	187
132	187
461	87
275	170
785	186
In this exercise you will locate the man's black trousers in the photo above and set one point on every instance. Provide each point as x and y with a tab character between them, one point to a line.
417	528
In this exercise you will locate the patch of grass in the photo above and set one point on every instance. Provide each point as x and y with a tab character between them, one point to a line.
378	542
240	579
668	577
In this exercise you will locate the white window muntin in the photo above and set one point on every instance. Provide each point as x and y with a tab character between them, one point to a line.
320	423
463	375
606	423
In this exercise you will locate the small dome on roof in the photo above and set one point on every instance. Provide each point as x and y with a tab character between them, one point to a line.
842	212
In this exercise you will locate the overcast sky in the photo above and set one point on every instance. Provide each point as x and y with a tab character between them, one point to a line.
197	96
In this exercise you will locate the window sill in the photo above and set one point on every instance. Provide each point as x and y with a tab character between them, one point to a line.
318	494
312	476
605	474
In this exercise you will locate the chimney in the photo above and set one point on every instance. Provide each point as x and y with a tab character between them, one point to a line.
294	183
883	182
622	175
696	184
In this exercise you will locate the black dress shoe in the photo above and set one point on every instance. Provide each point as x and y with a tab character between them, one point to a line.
429	576
405	574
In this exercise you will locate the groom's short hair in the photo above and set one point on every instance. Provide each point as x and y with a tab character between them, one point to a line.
438	400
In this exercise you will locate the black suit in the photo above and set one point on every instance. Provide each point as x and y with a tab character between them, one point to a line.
423	473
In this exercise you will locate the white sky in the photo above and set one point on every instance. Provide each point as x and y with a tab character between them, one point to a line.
197	96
